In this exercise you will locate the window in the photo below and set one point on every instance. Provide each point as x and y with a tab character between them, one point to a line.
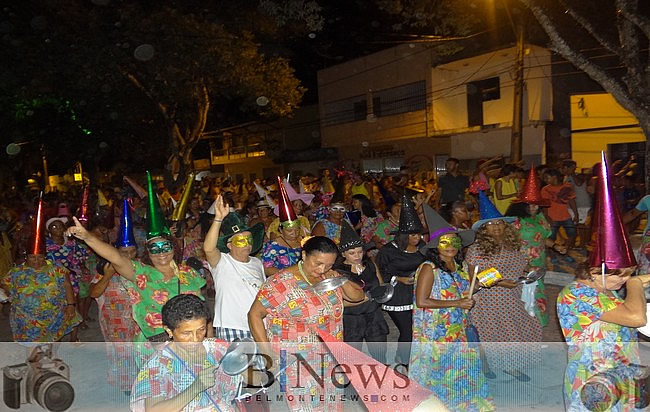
478	92
402	99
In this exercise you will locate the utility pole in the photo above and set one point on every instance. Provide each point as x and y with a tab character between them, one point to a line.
518	98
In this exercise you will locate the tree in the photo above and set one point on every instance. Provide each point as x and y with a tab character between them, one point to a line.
146	67
627	40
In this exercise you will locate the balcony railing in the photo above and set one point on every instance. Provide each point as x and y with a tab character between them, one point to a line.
237	152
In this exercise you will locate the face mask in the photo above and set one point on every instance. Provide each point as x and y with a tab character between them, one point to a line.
340	209
449	242
160	246
242	240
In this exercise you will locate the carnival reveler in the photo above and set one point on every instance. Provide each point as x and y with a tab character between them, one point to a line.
284	250
598	325
115	308
397	262
498	246
149	285
287	312
441	358
41	295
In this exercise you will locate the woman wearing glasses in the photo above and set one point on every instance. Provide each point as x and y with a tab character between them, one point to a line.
499	313
331	227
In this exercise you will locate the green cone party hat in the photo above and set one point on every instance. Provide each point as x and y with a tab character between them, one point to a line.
156	225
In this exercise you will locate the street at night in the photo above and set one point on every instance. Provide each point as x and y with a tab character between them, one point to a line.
325	205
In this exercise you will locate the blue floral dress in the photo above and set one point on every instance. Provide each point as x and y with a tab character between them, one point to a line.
71	256
278	256
441	358
38	303
594	346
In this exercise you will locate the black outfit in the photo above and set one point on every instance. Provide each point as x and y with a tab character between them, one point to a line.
452	188
395	262
366	321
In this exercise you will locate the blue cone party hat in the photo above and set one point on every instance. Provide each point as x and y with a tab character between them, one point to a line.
125	237
488	211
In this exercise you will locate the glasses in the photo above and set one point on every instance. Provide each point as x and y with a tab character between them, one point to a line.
242	240
446	243
340	209
495	222
161	246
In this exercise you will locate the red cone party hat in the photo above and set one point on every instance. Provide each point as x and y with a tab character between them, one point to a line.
612	246
38	240
377	397
287	215
531	193
83	209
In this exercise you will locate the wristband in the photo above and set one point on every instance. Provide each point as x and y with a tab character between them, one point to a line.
217	220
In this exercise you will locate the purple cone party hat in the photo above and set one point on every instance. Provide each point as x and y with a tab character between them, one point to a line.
488	211
125	237
156	225
612	246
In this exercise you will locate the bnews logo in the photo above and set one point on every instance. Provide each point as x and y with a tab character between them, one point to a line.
302	369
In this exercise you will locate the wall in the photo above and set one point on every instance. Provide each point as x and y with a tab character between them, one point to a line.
449	89
599	110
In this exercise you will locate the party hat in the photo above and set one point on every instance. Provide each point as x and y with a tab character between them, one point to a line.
291	192
38	240
488	212
286	213
181	207
612	246
531	192
83	209
101	199
375	396
156	225
125	237
350	239
264	195
139	190
438	226
409	221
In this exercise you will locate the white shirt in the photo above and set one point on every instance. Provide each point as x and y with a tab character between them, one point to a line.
236	285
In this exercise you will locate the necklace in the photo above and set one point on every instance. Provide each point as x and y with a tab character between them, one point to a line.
302	272
289	244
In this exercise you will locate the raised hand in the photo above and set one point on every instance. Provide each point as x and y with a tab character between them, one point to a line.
221	208
77	230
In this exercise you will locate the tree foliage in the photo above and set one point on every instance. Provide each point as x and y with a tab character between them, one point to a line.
622	29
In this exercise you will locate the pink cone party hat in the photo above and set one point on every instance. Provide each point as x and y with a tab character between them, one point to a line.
612	246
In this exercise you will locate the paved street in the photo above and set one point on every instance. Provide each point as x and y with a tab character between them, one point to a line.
543	392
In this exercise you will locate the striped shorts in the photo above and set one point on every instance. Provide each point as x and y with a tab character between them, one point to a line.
230	335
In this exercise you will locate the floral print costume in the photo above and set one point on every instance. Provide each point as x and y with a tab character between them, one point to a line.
166	375
38	303
278	256
534	231
593	345
441	359
293	310
332	230
70	255
149	292
117	325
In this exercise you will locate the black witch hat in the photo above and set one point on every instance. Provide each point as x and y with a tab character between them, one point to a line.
409	221
349	238
439	226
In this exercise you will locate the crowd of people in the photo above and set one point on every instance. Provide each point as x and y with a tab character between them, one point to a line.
443	259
